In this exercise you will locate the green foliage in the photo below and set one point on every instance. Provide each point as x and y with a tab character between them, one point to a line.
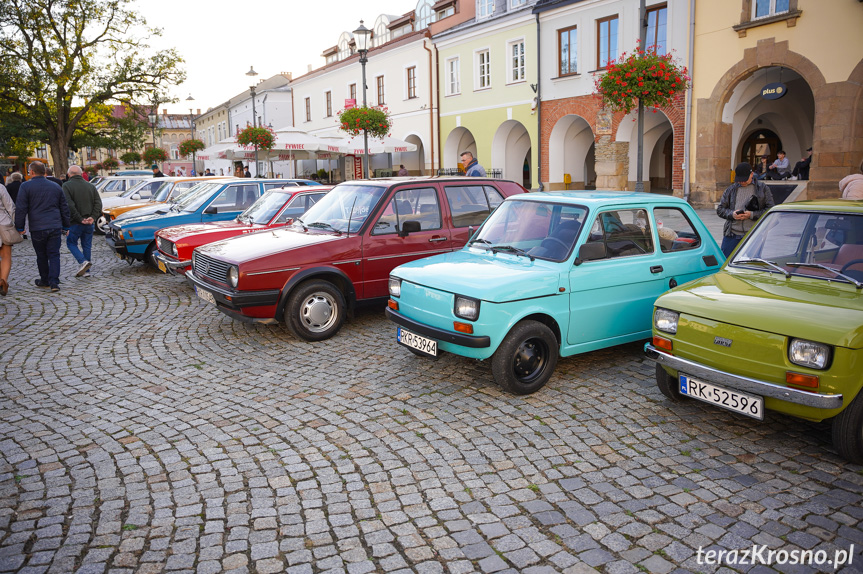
376	121
110	163
645	75
155	155
131	158
191	145
263	137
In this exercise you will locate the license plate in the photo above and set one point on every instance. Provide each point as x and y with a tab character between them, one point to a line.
745	404
162	267
205	295
414	341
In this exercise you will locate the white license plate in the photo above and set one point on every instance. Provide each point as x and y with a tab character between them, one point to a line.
162	267
745	404
205	295
414	341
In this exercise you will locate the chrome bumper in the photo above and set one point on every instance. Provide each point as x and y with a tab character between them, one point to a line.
173	265
745	384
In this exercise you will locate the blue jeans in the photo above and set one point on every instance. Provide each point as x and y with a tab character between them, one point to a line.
46	244
85	234
729	243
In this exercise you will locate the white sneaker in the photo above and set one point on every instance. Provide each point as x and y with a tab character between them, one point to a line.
83	269
793	177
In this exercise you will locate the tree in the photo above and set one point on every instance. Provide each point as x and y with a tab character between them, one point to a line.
131	158
65	58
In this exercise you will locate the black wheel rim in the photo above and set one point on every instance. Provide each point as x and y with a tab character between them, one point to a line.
530	360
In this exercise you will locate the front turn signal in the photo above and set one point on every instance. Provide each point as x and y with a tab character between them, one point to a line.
662	343
801	380
463	327
394	305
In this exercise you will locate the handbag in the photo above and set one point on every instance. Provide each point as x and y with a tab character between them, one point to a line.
752	204
9	235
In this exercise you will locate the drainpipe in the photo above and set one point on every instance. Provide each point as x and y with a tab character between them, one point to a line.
431	99
539	103
688	128
437	115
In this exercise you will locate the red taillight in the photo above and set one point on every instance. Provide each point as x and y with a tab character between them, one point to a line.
463	327
662	343
800	380
394	305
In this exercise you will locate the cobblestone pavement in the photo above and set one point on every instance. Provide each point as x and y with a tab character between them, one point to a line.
141	431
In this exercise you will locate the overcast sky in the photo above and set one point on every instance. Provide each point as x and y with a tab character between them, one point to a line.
220	40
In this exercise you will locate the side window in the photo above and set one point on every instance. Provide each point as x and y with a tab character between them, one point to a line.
410	205
468	205
494	197
674	229
625	232
296	207
236	198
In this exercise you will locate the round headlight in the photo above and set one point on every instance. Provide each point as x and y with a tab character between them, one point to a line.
233	276
666	320
395	287
466	308
174	249
809	354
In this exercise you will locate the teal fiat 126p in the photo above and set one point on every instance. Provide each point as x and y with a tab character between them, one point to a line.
550	274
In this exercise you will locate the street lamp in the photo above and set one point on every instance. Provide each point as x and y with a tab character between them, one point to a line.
362	35
252	73
152	117
192	132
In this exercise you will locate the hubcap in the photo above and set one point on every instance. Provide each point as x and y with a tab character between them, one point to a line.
102	224
529	360
319	312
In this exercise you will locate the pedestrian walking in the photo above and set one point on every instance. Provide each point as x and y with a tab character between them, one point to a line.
43	202
14	183
8	237
472	168
85	206
157	172
742	204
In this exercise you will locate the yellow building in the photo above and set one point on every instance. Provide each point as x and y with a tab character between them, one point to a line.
776	74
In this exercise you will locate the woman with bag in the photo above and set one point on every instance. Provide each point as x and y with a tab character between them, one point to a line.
8	237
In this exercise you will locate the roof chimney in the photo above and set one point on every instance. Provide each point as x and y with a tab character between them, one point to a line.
199	111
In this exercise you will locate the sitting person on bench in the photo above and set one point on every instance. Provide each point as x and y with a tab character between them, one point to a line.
801	168
779	169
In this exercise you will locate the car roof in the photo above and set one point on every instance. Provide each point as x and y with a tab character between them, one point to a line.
389	181
597	198
832	205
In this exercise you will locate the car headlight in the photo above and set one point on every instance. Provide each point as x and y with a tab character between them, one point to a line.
395	287
665	320
466	308
174	249
233	275
809	354
121	236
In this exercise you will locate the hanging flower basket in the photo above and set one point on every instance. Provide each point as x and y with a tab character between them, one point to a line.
91	170
131	158
376	121
110	163
190	146
155	155
654	79
263	137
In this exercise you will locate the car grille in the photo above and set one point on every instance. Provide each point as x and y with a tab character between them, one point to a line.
165	246
210	268
115	234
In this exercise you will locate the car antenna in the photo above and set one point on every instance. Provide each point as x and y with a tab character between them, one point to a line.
351	216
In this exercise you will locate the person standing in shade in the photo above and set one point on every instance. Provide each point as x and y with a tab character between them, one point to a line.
742	204
247	173
403	171
157	172
85	205
43	202
472	168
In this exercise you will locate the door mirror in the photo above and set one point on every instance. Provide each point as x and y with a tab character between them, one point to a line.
590	252
136	196
211	210
409	227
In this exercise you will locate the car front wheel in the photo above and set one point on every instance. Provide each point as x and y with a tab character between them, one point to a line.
102	225
526	358
150	255
315	311
667	384
848	431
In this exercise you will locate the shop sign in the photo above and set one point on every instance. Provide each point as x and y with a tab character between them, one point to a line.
773	91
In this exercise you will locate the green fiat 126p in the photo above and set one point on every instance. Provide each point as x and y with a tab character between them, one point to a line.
780	327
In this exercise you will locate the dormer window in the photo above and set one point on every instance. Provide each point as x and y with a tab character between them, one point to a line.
484	8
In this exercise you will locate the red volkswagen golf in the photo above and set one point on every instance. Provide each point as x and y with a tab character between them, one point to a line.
309	274
276	208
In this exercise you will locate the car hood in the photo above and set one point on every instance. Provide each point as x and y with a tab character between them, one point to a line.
490	277
178	232
247	248
814	309
141	210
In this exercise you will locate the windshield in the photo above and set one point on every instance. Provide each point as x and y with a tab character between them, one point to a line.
821	245
266	207
345	203
134	189
161	194
193	199
543	230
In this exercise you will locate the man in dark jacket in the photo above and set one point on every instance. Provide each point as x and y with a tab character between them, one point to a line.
49	175
742	204
157	172
85	206
13	183
43	202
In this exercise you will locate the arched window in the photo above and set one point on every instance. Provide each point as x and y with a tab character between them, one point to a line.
381	33
424	14
344	45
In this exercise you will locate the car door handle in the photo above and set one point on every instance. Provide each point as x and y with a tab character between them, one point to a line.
656	269
437	239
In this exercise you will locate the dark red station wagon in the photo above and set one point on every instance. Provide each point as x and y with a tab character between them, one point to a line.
311	273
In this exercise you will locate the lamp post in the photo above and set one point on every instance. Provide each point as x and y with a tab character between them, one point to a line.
153	116
642	36
362	35
192	132
252	73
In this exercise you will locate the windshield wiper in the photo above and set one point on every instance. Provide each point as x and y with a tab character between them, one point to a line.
511	249
324	225
303	225
479	240
856	283
765	262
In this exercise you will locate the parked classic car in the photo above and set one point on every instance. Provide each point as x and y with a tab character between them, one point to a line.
780	327
342	250
134	237
276	208
548	275
117	184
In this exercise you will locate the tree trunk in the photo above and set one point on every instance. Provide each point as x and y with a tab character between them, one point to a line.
60	156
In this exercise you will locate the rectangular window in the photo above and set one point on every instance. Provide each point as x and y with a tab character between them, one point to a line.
412	82
606	38
624	232
567	46
657	31
676	232
353	91
308	109
329	102
453	84
381	99
484	8
516	61
765	8
517	3
471	205
484	70
446	12
420	205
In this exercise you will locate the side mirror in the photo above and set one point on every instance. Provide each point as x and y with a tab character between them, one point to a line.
211	210
409	227
135	196
590	252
